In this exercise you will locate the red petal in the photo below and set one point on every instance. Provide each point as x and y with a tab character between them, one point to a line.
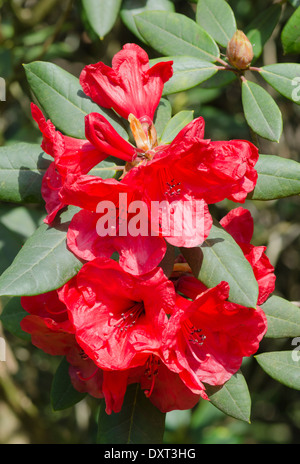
129	86
103	136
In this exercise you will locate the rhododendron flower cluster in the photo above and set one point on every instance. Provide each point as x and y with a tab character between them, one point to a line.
126	317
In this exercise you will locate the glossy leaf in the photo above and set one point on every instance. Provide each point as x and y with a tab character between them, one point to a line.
233	398
277	178
285	78
290	35
131	8
176	34
261	111
138	422
217	18
22	166
187	73
261	28
283	318
174	126
44	263
11	317
63	395
63	101
101	14
283	366
223	260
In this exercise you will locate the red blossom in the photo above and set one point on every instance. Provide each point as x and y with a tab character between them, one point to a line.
71	156
208	337
130	86
51	331
118	317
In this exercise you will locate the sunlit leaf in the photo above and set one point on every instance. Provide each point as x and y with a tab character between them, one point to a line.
176	34
217	18
261	111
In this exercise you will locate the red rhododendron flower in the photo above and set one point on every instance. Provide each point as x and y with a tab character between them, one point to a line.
208	337
118	317
163	387
70	156
51	331
239	223
184	177
130	86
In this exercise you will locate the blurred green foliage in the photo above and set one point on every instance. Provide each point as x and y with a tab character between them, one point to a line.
57	31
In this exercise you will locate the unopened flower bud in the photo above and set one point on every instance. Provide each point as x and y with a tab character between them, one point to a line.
240	51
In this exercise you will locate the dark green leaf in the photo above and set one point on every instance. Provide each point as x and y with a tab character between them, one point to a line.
277	178
10	244
283	318
285	78
261	28
187	73
283	366
290	35
131	8
174	126
44	263
217	18
232	398
22	167
223	260
11	317
138	422
63	395
176	34
62	99
101	14
261	112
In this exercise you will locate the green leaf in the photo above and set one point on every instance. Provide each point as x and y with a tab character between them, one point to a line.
223	260
174	126
44	263
176	34
283	366
261	112
187	73
138	422
22	167
10	244
285	78
283	318
11	317
63	395
131	8
101	15
218	19
277	178
232	398
261	28
61	97
162	116
290	35
105	169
